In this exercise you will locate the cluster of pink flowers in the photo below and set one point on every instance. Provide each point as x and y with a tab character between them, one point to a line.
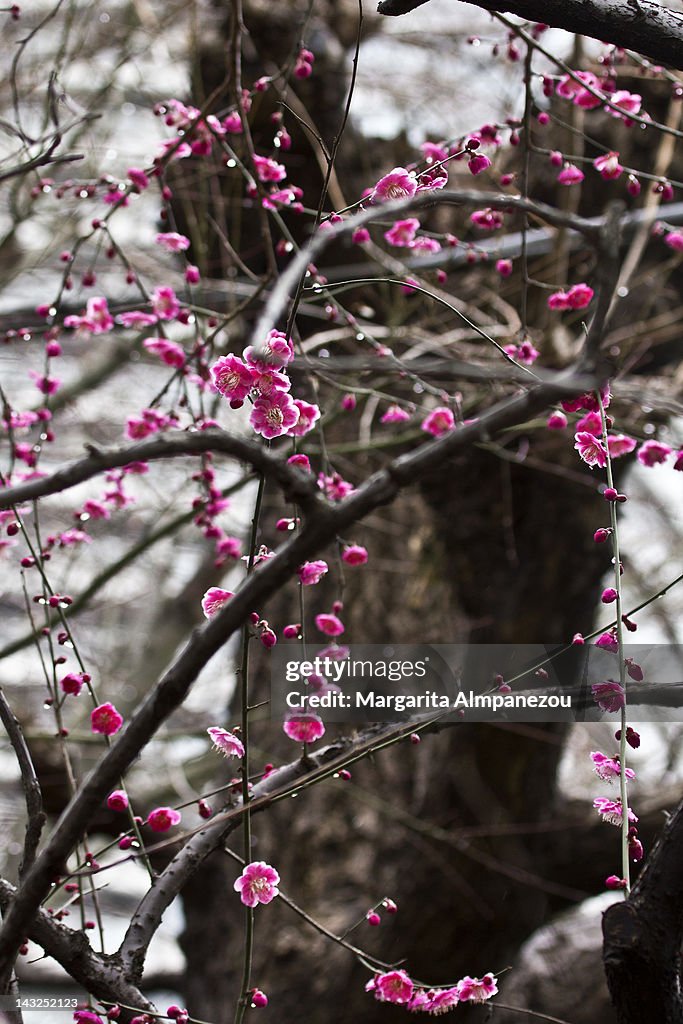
95	320
260	375
524	353
196	134
398	987
586	90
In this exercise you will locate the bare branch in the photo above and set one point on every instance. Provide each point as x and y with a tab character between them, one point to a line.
34	799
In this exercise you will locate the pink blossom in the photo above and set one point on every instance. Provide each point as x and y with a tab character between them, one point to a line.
214	599
304	727
393	987
620	444
138	177
257	884
98	316
614	882
504	267
163	818
74	536
488	219
266	379
232	378
269	170
524	353
556	421
46	385
394	414
434	152
629	102
477	990
233	123
308	417
569	87
117	800
276	350
653	452
425	244
674	239
609	696
588	401
335	488
478	162
612	810
105	719
609	166
439	421
402	232
558	300
591	423
165	303
579	296
171	241
311	573
87	1017
360	236
608	768
397	184
570	175
170	352
348	403
591	449
329	624
226	742
273	415
354	554
73	682
608	642
136	318
95	509
301	461
440	1001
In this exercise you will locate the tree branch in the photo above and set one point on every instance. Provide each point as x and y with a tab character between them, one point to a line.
96	972
641	25
34	799
301	488
642	937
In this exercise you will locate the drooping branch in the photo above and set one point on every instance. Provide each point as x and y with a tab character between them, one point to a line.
641	25
642	937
